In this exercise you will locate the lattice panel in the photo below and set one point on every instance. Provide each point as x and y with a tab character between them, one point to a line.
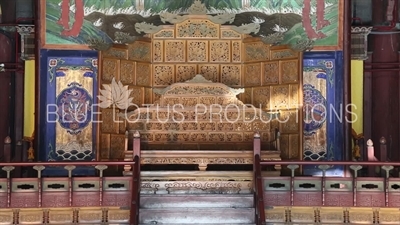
158	51
117	146
289	71
253	74
128	69
262	97
231	75
283	53
140	51
175	51
110	69
256	52
109	124
271	73
220	51
138	96
119	53
185	72
167	33
197	28
230	34
294	96
236	51
209	71
164	75
280	97
289	121
197	51
143	74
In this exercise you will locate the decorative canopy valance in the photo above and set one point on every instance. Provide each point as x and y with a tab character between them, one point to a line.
126	28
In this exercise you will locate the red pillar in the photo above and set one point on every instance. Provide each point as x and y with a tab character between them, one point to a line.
385	84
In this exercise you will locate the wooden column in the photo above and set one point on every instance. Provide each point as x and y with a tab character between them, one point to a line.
385	85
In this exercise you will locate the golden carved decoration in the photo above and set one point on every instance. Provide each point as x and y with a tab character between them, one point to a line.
140	51
209	71
230	34
197	51
158	51
197	28
110	70
271	73
256	51
289	71
253	75
236	51
174	51
143	74
164	34
127	72
163	74
109	118
231	75
185	72
116	53
220	51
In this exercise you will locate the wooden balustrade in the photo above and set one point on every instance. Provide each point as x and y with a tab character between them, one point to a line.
108	197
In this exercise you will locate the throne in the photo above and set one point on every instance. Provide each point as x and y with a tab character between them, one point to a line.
201	122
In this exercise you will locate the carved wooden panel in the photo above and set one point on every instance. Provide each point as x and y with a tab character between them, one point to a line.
117	146
109	120
127	72
220	51
294	101
289	121
138	96
236	51
148	93
231	75
143	74
256	52
105	145
280	97
158	50
110	69
197	51
271	73
283	53
140	51
294	146
230	34
114	52
163	75
175	51
185	72
289	71
262	97
252	74
164	34
209	71
197	28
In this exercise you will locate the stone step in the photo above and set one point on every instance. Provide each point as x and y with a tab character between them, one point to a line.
196	187
197	201
197	216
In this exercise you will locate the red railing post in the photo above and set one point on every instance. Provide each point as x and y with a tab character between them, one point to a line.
135	202
371	157
7	149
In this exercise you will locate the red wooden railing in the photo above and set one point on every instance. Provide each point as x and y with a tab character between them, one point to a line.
134	210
